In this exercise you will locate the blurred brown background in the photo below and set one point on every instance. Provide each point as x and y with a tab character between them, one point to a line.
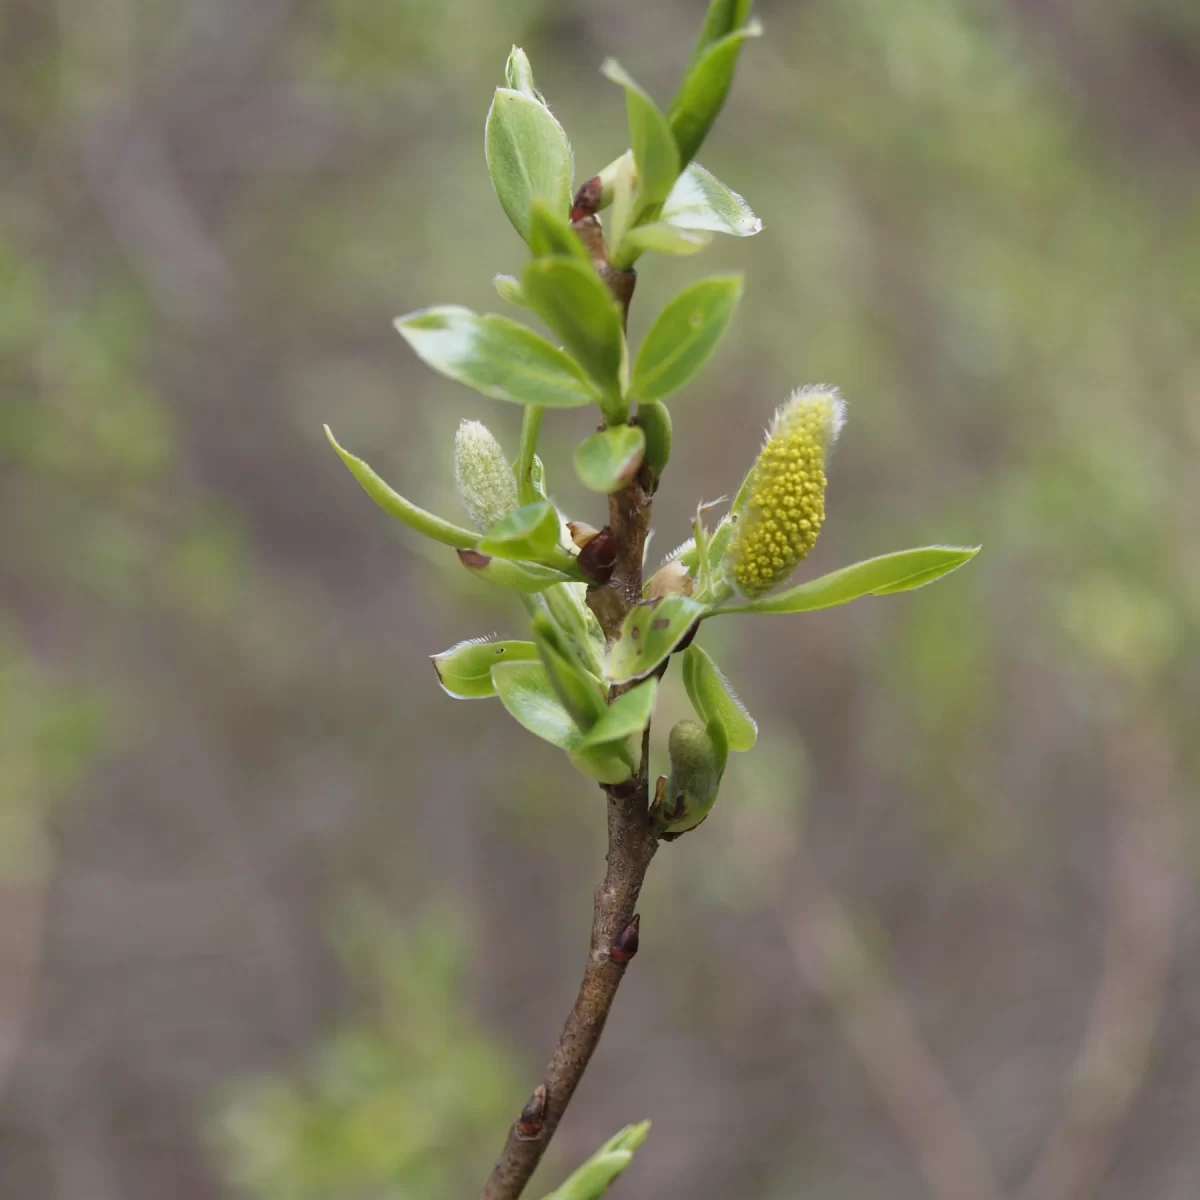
280	920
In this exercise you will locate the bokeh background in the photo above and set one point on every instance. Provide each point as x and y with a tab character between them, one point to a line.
280	920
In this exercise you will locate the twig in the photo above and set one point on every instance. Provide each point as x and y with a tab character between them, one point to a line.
631	842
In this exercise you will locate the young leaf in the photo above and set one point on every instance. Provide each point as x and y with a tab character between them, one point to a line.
577	623
699	201
624	184
525	577
655	423
666	239
610	763
579	692
898	572
626	716
465	670
704	89
550	235
572	300
649	634
531	532
654	149
722	18
592	1180
518	74
608	460
714	700
393	503
497	357
528	157
697	754
684	336
508	287
525	691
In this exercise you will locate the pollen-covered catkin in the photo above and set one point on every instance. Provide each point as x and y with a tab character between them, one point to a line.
782	506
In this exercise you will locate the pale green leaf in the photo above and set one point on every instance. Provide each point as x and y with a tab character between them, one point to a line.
626	716
518	74
649	634
684	336
393	503
497	357
570	297
700	202
898	572
714	700
606	461
528	156
703	90
465	670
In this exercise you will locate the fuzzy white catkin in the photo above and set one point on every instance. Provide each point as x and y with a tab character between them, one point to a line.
485	481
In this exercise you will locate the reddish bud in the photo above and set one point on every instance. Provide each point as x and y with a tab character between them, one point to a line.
598	556
587	199
626	946
533	1115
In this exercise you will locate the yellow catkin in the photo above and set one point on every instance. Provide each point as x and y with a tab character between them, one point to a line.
783	506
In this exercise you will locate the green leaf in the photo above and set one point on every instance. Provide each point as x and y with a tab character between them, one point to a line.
525	577
508	287
529	698
530	532
666	239
605	764
592	1180
550	235
898	572
572	300
649	634
465	670
699	201
714	700
654	149
697	755
497	357
626	716
578	691
703	91
684	336
608	460
722	18
525	691
393	503
624	182
577	623
528	156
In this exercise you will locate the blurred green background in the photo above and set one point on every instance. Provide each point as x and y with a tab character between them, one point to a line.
280	920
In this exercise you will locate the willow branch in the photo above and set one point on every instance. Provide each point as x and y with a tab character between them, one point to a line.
632	841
